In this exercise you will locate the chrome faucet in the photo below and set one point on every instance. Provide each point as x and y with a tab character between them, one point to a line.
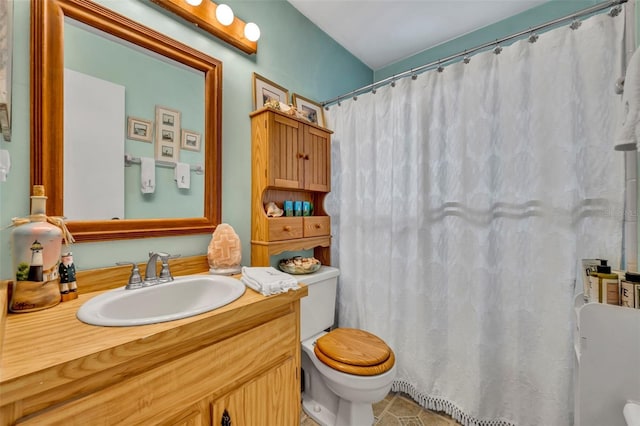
150	276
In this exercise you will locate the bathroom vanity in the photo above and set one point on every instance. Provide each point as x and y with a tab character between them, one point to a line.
240	362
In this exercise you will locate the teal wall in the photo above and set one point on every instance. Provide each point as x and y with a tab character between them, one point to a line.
291	52
539	15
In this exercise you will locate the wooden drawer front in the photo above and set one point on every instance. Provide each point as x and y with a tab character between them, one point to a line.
317	225
163	392
285	228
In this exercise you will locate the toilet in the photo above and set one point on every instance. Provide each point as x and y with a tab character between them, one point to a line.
345	370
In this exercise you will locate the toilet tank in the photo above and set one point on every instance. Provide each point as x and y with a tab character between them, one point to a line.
317	310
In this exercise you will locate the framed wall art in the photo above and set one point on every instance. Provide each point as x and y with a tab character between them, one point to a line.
190	140
139	129
167	134
265	90
310	109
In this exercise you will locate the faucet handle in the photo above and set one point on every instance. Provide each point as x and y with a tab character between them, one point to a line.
165	272
135	280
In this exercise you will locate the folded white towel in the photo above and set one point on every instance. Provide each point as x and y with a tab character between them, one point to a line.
268	280
147	175
5	164
182	175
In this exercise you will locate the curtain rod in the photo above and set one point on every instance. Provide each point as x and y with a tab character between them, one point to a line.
532	30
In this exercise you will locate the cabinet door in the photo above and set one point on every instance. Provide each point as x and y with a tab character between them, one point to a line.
271	399
196	415
317	156
230	409
285	153
274	398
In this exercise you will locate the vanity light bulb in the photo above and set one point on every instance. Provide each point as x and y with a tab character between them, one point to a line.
224	14
194	2
251	31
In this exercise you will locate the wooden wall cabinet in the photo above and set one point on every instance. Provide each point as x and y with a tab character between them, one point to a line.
291	160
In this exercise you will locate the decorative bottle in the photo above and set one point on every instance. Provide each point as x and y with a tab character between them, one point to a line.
36	245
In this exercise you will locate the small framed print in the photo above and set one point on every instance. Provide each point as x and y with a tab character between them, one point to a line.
311	110
167	134
139	129
265	90
190	140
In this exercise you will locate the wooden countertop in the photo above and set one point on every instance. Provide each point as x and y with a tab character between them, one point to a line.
51	348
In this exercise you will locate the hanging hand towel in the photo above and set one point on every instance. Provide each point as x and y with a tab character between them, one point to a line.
628	131
182	175
5	164
268	280
147	175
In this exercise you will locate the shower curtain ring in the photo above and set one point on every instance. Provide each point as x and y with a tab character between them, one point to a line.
533	37
575	24
615	11
440	67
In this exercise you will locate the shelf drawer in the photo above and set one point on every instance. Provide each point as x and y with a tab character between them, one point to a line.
285	228
315	226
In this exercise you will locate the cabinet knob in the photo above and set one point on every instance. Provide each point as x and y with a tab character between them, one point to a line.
300	155
306	156
317	225
287	228
226	419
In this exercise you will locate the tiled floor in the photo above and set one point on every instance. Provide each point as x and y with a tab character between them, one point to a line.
399	409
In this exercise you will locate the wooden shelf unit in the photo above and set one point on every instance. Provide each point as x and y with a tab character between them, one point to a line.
291	160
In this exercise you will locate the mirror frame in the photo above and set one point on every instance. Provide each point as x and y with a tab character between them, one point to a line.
47	119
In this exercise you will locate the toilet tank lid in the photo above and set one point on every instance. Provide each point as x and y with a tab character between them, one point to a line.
322	274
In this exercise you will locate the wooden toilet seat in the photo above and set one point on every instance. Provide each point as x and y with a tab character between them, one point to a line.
354	351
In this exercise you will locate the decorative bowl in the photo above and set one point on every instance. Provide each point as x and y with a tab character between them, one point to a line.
299	265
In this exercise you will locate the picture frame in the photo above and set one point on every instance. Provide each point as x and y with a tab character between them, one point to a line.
139	129
312	111
190	140
265	89
167	134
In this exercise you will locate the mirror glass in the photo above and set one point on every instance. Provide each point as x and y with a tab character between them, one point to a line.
110	113
115	106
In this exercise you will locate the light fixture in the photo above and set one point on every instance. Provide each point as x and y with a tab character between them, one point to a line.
251	31
194	2
216	19
224	14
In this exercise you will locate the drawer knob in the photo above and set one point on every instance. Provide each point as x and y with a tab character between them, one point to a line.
317	225
287	228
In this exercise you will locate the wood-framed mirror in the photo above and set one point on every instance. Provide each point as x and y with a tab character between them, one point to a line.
47	116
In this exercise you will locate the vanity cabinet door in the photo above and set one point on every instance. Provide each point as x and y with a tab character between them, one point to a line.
270	399
197	414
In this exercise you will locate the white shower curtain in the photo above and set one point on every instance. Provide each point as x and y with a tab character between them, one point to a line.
462	204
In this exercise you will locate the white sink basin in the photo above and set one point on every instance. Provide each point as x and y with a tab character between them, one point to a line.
183	297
